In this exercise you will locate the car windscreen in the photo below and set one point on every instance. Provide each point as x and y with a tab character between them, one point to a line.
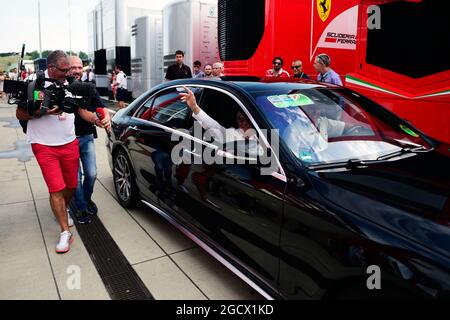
322	125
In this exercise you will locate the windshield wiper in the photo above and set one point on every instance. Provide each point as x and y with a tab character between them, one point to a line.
404	151
355	163
349	164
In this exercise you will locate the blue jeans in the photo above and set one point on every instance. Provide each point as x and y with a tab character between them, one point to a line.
88	169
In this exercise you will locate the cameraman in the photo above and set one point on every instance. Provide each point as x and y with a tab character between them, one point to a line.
86	132
55	147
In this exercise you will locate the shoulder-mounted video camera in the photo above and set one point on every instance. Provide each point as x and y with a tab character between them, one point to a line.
37	95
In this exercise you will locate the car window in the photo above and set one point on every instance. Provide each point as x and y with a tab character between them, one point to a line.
134	106
165	108
320	125
144	111
220	107
230	128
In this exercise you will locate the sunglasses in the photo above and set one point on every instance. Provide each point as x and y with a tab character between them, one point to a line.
61	70
277	63
296	67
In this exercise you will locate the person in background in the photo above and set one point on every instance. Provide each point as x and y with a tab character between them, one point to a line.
2	81
277	70
217	70
31	75
198	73
208	71
88	76
113	85
13	74
122	86
23	74
297	67
326	74
86	133
178	70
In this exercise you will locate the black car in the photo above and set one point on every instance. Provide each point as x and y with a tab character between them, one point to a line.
353	202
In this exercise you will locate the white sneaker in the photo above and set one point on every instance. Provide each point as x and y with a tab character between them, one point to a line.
65	239
69	219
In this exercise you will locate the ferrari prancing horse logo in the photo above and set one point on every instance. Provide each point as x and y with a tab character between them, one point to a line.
324	9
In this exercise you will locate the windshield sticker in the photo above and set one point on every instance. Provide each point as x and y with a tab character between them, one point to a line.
301	100
292	100
409	131
306	155
278	102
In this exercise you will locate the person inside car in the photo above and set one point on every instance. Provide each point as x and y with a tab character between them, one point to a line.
244	132
313	129
328	128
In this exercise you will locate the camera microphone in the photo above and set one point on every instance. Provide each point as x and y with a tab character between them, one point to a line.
100	113
82	89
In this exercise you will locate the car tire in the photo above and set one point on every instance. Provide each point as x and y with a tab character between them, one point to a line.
124	180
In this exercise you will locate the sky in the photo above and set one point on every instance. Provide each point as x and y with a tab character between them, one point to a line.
19	24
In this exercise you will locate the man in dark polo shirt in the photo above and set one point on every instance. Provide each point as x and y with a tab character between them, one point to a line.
86	133
178	70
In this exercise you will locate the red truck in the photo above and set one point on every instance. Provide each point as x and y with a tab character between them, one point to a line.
395	52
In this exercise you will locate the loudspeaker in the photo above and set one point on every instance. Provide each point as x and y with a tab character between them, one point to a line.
123	58
100	62
40	64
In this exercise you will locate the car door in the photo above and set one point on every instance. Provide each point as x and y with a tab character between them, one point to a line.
151	145
235	205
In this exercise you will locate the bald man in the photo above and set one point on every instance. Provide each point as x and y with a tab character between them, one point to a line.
86	133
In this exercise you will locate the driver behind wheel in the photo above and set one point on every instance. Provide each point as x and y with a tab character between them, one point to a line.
328	128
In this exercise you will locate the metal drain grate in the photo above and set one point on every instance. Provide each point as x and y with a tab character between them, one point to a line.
119	277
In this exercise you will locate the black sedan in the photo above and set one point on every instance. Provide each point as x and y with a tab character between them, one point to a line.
330	197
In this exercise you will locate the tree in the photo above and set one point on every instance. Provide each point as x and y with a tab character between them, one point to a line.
45	53
33	55
83	55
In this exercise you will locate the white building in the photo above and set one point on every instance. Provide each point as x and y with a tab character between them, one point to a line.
145	47
109	35
146	53
191	26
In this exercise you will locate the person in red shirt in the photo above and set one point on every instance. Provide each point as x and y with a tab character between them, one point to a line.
113	84
23	74
277	70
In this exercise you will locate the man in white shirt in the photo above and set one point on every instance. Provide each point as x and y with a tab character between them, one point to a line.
313	130
88	76
31	76
122	87
55	147
220	133
328	128
13	74
277	70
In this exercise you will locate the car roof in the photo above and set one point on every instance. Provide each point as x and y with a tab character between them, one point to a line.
256	84
275	86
